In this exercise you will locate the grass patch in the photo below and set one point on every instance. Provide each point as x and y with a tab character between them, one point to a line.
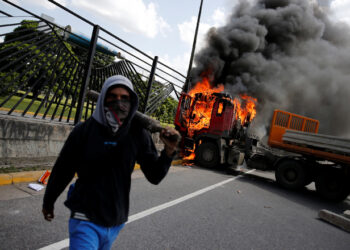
35	106
171	125
26	101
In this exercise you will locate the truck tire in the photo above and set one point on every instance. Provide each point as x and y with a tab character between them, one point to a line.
332	185
290	174
207	155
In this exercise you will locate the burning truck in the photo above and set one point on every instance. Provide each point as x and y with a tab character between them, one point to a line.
213	124
214	128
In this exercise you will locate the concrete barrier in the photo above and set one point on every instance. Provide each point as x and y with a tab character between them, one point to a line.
29	142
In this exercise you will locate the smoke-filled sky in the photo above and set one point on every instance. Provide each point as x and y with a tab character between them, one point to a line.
289	55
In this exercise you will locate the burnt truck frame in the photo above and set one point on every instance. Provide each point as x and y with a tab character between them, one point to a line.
296	162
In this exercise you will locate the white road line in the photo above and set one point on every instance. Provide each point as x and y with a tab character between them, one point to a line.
179	200
65	243
57	246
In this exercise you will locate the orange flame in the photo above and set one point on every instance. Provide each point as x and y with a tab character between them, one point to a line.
205	88
247	111
192	155
203	107
245	106
202	102
221	108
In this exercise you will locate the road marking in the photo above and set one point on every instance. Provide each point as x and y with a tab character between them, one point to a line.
179	200
65	243
57	246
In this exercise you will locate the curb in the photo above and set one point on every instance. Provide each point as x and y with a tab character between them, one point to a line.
27	176
177	162
31	176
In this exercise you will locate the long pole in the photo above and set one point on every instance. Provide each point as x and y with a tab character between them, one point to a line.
193	49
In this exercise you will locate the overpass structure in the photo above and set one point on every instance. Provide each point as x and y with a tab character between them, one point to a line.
46	69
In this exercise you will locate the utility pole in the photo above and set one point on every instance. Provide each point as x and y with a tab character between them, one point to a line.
193	49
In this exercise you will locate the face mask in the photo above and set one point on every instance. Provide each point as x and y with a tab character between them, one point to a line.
112	121
119	108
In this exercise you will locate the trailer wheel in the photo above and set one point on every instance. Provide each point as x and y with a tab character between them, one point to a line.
207	155
290	174
332	185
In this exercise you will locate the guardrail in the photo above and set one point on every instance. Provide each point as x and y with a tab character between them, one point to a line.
45	69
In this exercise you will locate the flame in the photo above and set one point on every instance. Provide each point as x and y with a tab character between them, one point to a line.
205	88
190	157
246	111
199	114
203	107
221	108
192	154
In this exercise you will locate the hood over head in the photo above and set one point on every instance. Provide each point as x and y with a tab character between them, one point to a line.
99	113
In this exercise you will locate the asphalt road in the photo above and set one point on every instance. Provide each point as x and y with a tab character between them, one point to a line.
248	211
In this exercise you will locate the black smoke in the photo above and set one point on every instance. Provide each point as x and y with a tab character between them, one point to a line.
286	53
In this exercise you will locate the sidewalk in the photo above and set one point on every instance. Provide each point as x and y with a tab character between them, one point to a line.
33	176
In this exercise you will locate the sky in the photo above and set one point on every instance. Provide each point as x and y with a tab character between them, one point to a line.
163	28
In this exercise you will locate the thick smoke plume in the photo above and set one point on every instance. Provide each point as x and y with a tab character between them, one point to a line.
289	55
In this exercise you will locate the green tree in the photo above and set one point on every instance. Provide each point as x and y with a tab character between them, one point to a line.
166	111
24	52
36	61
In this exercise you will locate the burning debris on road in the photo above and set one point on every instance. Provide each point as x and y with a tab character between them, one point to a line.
287	54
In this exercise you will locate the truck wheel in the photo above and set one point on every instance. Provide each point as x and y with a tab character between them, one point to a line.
332	185
207	155
290	174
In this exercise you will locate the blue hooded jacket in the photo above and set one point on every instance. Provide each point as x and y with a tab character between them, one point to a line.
104	163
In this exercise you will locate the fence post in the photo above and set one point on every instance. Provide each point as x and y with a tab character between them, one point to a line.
87	73
150	81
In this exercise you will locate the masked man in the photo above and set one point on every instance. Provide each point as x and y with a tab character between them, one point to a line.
103	151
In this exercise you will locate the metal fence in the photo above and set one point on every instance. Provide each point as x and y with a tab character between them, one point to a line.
46	70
